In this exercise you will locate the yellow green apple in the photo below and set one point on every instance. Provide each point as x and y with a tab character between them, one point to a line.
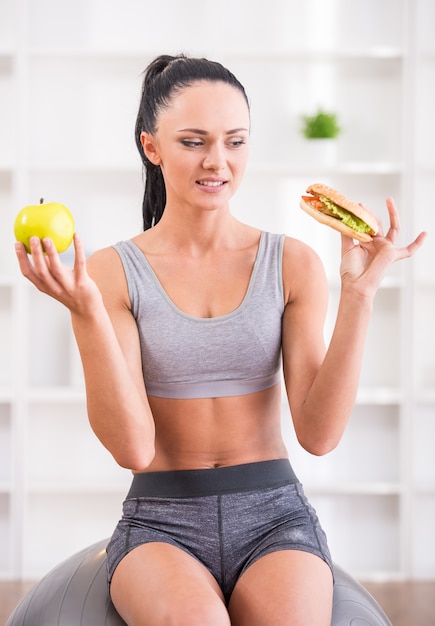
46	219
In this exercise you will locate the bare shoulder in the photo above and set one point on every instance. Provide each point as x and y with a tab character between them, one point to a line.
105	264
302	269
296	251
106	269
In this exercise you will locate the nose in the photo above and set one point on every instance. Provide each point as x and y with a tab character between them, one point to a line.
215	158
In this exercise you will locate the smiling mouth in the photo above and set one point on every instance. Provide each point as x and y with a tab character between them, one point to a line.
211	183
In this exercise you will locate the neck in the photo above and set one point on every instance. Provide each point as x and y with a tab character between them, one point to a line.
190	230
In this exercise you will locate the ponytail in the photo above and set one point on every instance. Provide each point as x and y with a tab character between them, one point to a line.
154	199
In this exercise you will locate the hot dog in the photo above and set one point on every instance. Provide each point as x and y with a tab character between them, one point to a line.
332	208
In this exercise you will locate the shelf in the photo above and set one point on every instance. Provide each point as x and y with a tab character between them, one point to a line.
426	56
117	488
425	396
6	562
6	336
279	168
381	364
8	95
75	168
7	395
120	488
66	394
6	172
366	396
389	283
425	490
308	55
56	395
355	489
6	425
94	55
299	55
350	519
76	520
424	342
297	169
426	169
363	168
423	467
7	282
379	396
7	58
422	548
424	284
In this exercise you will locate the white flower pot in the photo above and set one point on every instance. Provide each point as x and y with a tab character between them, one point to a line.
321	152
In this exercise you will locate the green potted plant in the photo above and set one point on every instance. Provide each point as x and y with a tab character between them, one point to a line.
321	131
321	125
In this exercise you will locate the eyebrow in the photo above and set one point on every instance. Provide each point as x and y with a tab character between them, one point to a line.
198	131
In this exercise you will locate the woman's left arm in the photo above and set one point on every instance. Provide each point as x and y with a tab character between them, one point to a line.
322	385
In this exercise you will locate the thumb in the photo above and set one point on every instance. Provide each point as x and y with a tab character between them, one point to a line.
347	244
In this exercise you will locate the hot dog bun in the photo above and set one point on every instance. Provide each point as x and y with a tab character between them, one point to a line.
363	228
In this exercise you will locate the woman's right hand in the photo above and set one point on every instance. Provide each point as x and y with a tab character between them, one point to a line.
73	288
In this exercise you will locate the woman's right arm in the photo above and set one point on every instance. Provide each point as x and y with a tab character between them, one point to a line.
96	294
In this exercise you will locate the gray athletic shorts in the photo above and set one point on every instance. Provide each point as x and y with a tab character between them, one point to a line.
225	517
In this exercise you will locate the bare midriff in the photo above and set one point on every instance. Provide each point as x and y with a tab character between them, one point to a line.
214	432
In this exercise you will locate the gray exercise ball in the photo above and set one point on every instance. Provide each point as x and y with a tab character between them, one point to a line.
75	593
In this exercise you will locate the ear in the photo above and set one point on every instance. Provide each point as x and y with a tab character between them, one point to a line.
149	147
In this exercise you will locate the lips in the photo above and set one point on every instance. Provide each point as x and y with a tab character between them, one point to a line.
211	183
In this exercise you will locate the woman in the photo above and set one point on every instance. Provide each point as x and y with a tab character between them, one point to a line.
181	332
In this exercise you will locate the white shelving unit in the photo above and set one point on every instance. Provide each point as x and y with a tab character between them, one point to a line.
70	78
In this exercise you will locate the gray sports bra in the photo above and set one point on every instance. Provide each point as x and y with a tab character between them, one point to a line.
191	357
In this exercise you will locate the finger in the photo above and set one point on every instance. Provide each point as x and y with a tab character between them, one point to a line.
347	244
23	259
64	278
51	257
31	262
47	268
376	217
80	257
407	251
37	252
394	229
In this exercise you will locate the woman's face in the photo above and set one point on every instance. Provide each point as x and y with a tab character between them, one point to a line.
201	144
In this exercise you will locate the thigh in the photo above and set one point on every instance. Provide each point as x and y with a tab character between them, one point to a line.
284	588
157	583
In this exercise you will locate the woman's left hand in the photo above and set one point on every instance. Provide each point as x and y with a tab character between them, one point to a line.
363	265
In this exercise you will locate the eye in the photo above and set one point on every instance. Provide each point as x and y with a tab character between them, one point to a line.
191	143
236	143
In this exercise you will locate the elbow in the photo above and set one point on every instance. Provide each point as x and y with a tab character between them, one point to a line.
319	436
136	460
318	447
319	450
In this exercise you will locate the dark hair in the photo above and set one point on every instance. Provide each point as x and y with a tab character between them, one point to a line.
164	77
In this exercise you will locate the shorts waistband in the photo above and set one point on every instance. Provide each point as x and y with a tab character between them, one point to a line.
213	481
